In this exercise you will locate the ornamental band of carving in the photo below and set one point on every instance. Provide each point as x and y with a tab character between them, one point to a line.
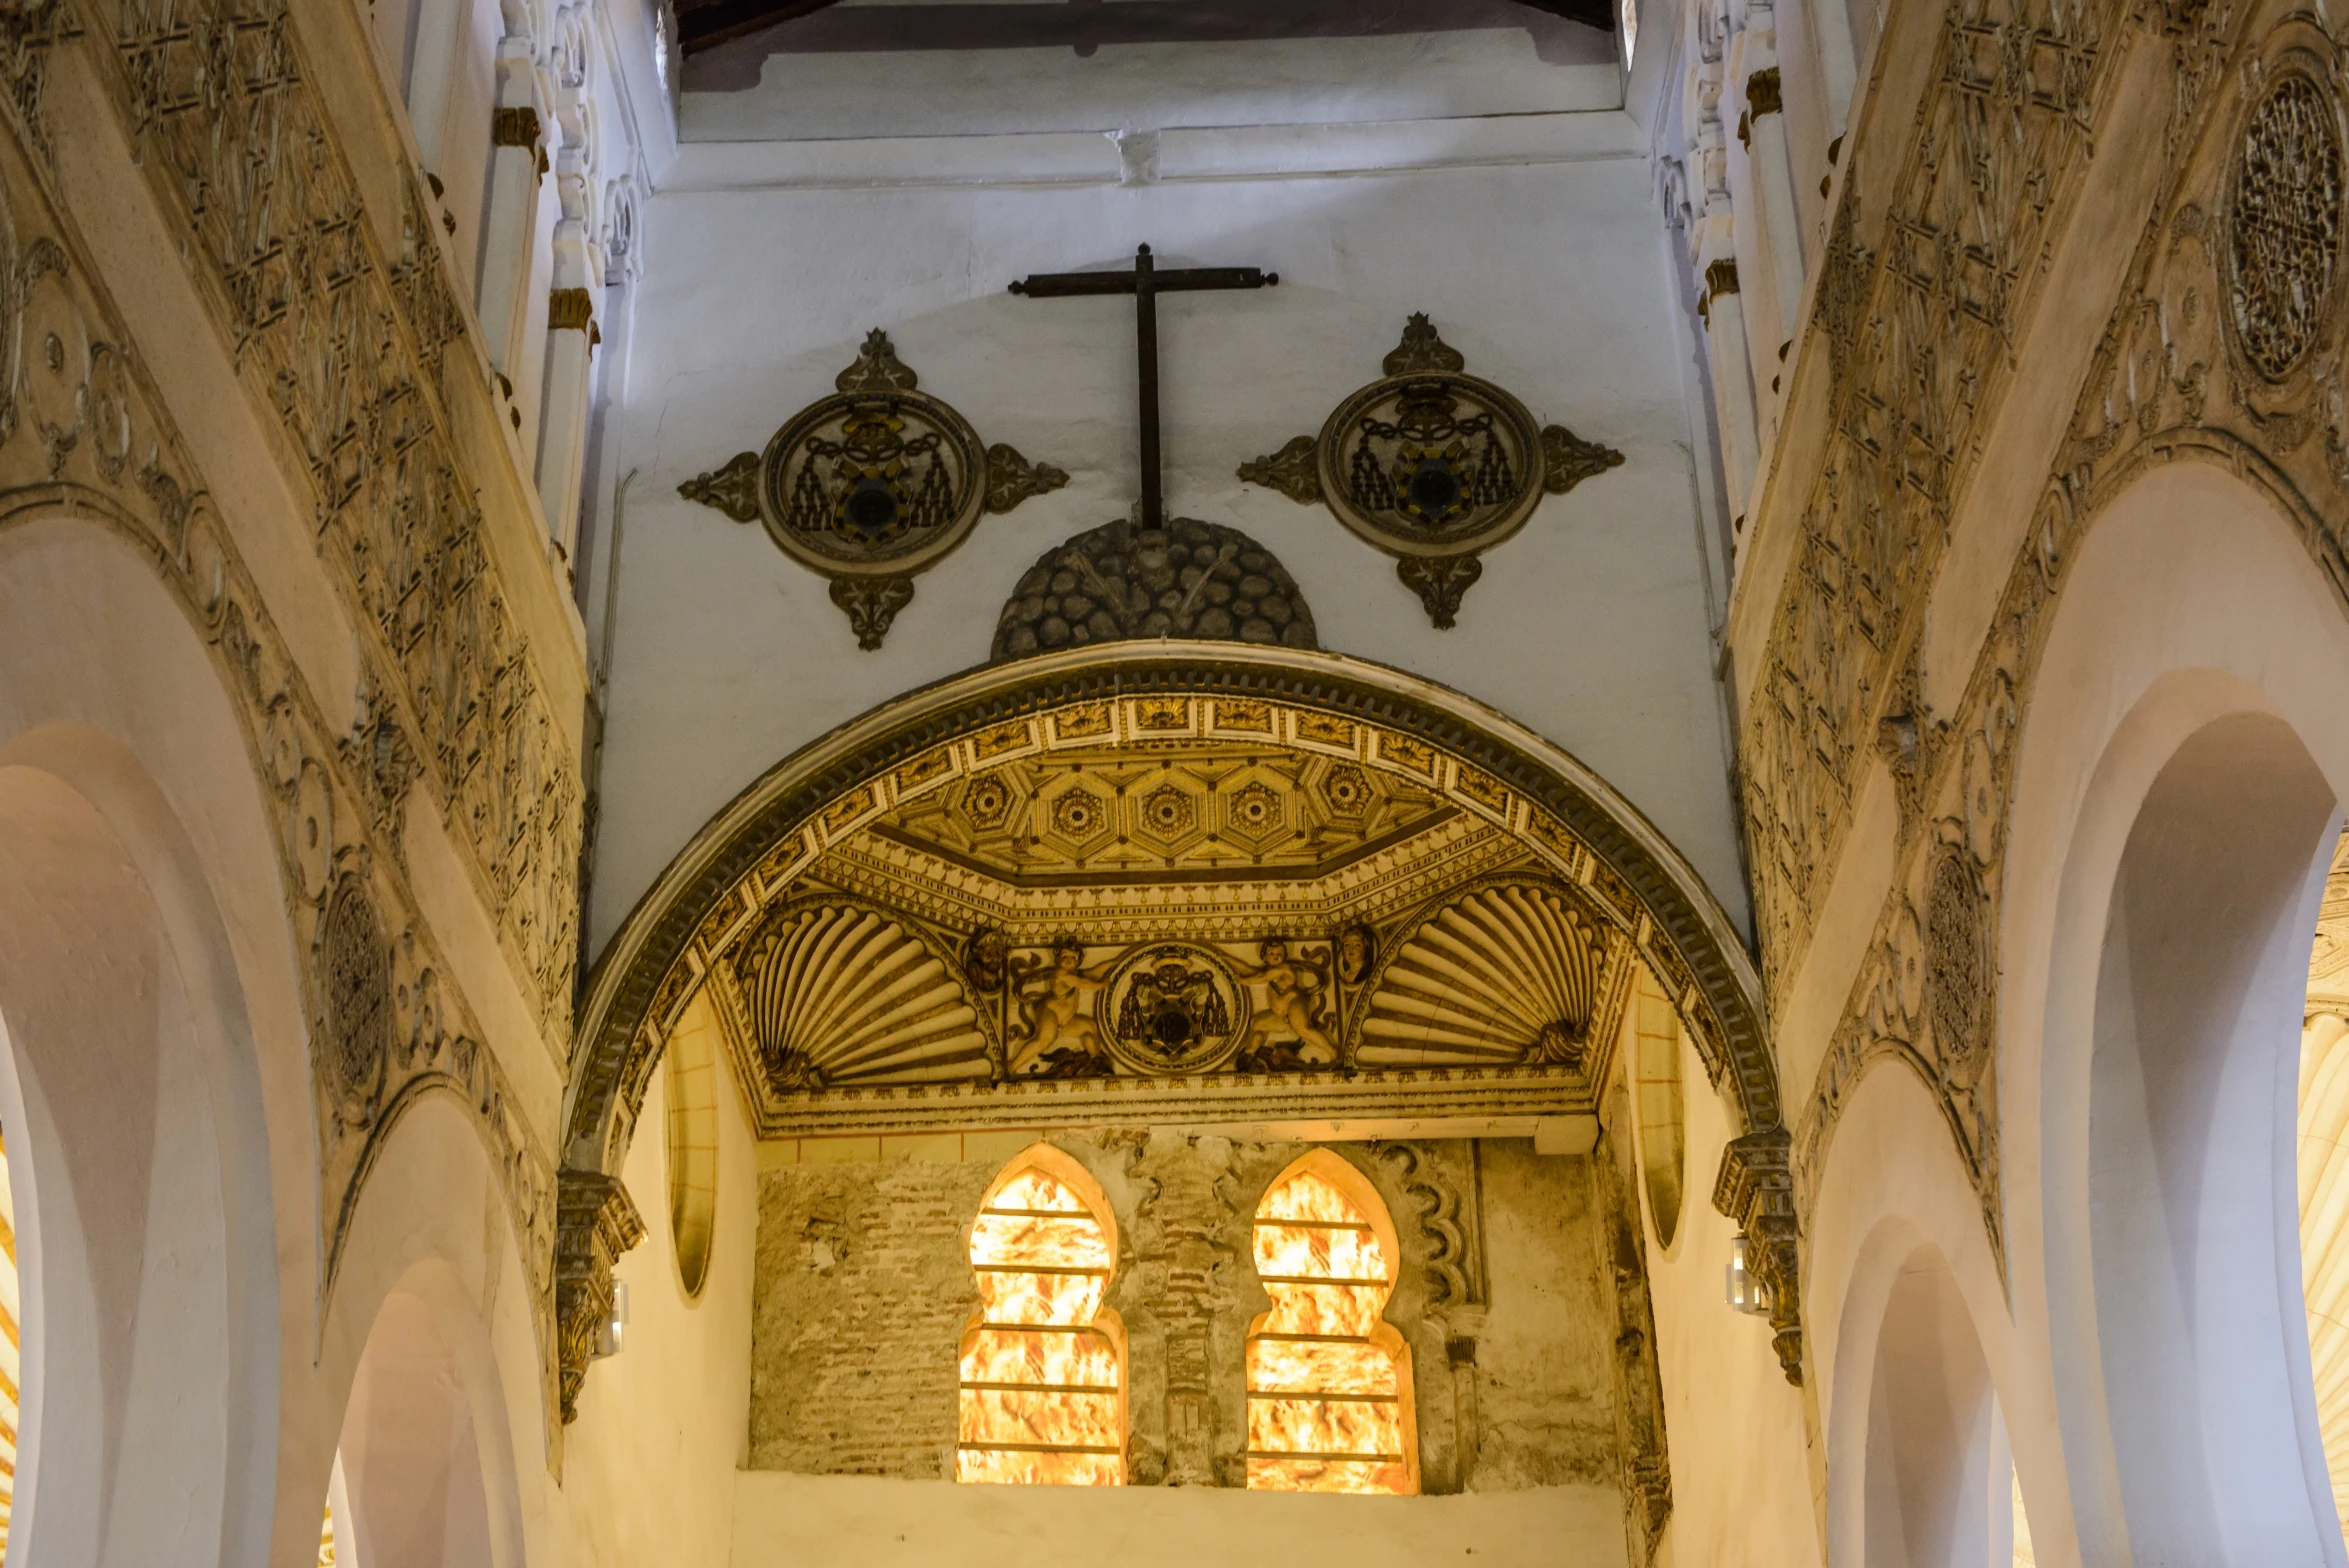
343	350
2171	380
1922	331
84	437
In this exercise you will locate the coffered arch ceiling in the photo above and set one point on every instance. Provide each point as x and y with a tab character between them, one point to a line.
1163	880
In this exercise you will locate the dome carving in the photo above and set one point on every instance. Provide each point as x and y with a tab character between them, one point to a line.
1188	579
1503	976
836	994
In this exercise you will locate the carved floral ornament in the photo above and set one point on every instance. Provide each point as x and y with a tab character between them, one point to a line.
872	485
86	440
1433	466
2225	343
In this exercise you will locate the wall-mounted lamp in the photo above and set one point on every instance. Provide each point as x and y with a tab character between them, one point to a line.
616	1330
1745	1289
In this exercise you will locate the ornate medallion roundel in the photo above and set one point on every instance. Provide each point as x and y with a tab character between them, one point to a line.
1430	460
1172	1007
1431	465
2284	224
872	485
877	479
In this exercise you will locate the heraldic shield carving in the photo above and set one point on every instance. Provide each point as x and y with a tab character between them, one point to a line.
1431	465
872	485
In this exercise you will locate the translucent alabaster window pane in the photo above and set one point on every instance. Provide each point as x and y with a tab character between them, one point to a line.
1042	1390
1325	1410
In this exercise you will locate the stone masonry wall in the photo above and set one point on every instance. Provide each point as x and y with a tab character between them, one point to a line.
864	1290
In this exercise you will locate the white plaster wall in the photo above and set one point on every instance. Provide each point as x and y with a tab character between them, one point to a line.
649	1465
1733	1426
805	1521
1591	626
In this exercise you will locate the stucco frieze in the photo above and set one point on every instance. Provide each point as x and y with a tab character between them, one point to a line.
85	435
2226	344
345	349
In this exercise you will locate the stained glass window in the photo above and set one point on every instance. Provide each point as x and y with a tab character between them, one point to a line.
1326	1383
1043	1379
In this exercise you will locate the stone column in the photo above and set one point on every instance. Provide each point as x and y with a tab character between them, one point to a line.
562	432
1774	180
1733	377
517	164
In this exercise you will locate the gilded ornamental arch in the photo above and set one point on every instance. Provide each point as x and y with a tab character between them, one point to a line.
1354	853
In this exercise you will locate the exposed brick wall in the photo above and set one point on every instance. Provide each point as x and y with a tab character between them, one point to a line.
864	1290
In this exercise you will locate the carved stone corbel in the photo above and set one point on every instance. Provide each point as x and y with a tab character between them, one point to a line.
871	486
1432	465
595	1222
1755	1188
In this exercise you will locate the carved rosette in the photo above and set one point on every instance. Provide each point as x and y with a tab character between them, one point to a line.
871	486
1433	466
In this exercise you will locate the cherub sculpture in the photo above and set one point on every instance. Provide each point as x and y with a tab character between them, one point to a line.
1287	1033
1056	1010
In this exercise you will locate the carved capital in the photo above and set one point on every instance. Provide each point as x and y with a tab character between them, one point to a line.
1755	1187
733	489
570	310
1291	471
871	605
1440	580
515	127
594	1224
1011	478
1721	278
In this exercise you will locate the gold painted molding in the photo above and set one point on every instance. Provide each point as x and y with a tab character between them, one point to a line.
1481	761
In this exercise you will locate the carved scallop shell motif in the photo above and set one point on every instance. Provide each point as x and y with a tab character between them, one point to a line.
841	995
1504	976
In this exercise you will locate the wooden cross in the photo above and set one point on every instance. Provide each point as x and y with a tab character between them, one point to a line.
1145	283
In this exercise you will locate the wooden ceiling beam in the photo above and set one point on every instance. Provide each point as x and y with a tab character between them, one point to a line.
713	22
707	26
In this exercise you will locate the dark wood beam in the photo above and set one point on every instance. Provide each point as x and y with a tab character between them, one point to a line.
715	22
1039	24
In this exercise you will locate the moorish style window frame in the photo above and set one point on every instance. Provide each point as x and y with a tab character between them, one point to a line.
1280	1468
1082	1332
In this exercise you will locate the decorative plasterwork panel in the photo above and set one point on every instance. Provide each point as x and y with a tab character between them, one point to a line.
1189	579
1431	465
1294	994
85	441
343	350
1934	264
2182	373
872	485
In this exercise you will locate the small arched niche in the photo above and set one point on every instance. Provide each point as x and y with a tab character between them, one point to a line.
1043	1389
689	1083
1329	1379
